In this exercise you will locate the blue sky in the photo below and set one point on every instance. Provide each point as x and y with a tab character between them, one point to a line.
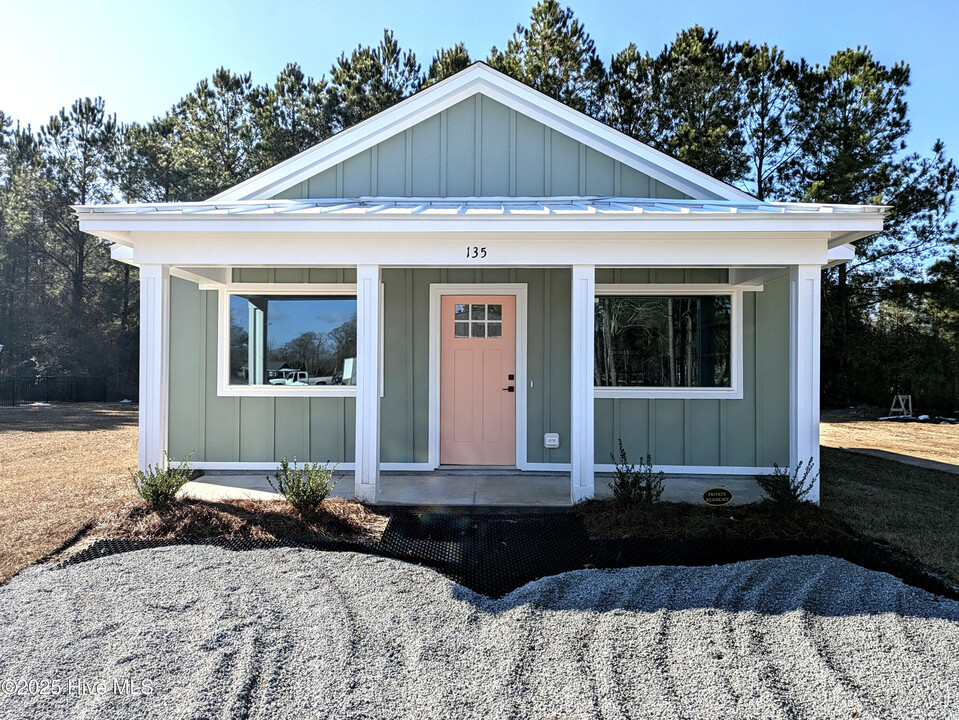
143	56
291	318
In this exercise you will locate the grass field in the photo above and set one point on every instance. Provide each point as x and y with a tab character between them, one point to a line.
61	467
64	467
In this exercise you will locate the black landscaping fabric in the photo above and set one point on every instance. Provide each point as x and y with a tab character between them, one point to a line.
493	554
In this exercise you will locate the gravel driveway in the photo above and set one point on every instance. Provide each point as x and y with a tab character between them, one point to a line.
201	632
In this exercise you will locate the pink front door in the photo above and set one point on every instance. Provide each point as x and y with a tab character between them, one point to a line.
477	380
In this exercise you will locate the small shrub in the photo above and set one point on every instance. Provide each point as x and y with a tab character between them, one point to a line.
159	486
636	486
304	487
788	488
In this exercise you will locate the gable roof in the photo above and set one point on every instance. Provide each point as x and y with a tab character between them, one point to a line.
482	79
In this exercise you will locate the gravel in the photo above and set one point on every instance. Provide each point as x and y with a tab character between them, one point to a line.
201	632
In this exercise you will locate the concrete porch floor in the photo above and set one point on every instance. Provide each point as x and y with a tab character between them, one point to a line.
472	488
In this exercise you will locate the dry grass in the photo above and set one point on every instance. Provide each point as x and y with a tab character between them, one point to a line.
61	467
858	427
190	519
913	509
756	521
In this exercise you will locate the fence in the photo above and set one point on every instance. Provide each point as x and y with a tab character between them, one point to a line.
17	390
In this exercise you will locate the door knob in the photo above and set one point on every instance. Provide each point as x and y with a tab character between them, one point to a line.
511	388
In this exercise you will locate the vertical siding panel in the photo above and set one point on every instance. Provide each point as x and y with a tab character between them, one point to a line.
391	166
222	418
773	359
478	146
186	369
703	432
292	428
326	429
495	163
444	151
422	278
604	433
512	152
537	364
426	158
558	314
530	157
357	175
408	147
670	432
461	149
256	429
397	337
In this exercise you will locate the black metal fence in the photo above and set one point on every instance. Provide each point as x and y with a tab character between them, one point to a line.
18	390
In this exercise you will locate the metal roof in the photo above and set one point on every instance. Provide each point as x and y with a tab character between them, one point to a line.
485	207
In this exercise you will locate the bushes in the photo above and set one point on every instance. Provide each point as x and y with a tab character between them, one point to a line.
636	486
159	486
304	487
788	489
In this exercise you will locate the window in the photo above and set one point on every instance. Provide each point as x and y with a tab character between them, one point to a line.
478	321
671	345
296	341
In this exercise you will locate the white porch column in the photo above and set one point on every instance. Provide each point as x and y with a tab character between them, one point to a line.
804	341
367	472
582	404
154	364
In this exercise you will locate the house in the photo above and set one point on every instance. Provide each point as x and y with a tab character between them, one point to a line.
519	286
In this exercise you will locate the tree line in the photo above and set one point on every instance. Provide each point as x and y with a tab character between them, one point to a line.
779	128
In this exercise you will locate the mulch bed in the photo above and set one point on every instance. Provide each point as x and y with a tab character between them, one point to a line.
493	554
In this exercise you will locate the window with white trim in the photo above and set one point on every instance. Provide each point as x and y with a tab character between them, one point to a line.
664	342
290	340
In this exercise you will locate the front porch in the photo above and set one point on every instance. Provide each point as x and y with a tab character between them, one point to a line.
472	488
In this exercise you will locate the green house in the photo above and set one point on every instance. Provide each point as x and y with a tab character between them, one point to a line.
481	277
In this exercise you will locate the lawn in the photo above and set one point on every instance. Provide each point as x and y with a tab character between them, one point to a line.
61	467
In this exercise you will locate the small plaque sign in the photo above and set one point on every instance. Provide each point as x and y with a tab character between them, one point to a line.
717	496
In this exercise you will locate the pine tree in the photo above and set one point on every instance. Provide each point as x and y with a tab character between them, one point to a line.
289	117
556	56
216	135
772	120
447	62
369	81
700	104
632	95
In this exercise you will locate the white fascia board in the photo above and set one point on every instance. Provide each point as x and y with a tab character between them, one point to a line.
480	78
544	249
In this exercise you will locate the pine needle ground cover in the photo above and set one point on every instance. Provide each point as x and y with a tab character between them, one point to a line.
61	468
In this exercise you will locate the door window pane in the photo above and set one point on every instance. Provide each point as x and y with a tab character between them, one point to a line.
462	312
461	329
494	312
494	329
478	312
478	329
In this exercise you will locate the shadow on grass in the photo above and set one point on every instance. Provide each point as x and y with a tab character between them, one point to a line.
77	417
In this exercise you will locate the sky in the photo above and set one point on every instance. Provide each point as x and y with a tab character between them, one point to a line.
142	57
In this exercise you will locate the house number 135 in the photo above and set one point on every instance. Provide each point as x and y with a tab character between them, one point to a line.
475	252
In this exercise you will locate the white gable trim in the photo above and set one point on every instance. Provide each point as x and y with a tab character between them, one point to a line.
480	78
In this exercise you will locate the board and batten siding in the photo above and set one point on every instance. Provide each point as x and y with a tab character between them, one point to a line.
479	148
243	429
751	432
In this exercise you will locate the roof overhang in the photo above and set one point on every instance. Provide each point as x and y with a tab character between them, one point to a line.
382	217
